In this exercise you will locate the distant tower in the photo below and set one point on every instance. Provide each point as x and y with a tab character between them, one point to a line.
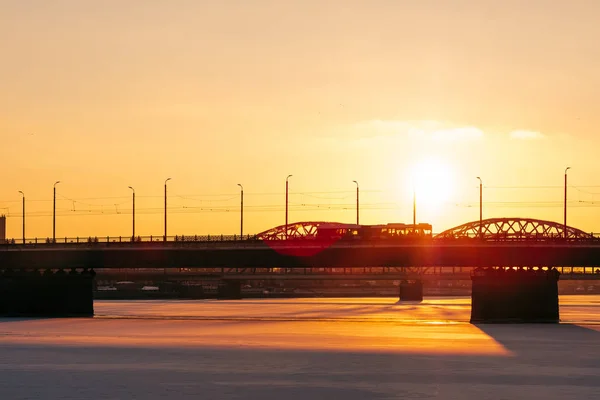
2	228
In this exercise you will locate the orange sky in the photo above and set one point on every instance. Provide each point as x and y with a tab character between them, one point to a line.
103	95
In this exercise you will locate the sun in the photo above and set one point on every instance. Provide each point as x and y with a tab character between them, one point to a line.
432	180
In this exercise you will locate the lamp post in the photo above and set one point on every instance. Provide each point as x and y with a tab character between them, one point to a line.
133	214
241	211
286	204
54	214
357	203
23	215
565	222
165	236
480	204
414	205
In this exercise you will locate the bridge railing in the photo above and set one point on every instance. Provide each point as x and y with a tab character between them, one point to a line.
594	238
129	239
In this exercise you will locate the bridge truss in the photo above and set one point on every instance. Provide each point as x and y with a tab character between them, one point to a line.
297	230
515	229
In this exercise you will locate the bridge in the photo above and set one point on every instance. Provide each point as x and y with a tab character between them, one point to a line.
494	243
318	248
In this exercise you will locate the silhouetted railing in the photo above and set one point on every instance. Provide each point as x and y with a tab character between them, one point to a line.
131	240
593	238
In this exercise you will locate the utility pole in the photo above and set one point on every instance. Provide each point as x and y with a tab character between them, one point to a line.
286	204
241	211
480	205
357	203
54	214
133	215
165	236
23	215
565	222
414	206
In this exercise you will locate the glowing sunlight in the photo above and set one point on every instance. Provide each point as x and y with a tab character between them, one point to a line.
433	181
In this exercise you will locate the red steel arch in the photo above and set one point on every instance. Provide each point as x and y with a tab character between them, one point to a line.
514	229
297	230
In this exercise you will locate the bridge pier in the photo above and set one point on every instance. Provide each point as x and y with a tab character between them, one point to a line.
411	290
190	291
35	293
519	296
229	290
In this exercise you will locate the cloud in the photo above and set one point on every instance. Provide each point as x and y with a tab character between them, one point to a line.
379	133
526	135
433	130
462	133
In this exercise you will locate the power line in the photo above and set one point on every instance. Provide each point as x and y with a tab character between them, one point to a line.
522	187
296	207
315	194
86	206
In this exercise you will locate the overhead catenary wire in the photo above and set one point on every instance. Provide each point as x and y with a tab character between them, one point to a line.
112	210
227	195
102	205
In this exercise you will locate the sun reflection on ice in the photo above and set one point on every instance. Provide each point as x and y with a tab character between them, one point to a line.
335	325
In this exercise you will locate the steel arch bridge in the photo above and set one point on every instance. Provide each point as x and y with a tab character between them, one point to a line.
298	230
514	229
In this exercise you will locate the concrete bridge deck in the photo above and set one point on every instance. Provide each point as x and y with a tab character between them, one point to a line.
296	255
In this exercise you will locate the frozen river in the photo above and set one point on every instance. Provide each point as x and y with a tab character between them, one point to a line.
300	349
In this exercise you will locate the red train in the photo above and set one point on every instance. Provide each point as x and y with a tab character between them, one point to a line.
393	231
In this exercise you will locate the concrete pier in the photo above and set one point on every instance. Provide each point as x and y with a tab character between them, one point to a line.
191	291
35	293
514	295
229	290
411	290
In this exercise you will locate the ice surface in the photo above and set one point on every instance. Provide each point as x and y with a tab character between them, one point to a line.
300	349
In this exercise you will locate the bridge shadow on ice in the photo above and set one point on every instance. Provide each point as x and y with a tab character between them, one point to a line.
569	343
392	310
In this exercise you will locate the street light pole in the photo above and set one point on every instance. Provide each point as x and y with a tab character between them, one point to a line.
565	222
165	236
23	215
286	204
133	215
241	211
480	204
357	203
54	214
414	205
